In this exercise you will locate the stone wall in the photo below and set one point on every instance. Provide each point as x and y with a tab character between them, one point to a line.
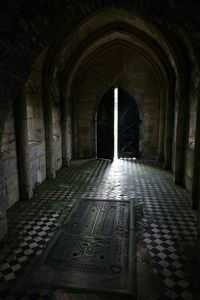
190	142
37	163
57	137
118	66
36	137
10	168
35	121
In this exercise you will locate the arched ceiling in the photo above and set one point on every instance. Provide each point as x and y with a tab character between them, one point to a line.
108	28
113	39
27	28
116	64
94	30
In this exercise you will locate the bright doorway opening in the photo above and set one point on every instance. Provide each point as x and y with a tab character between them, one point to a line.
116	95
117	125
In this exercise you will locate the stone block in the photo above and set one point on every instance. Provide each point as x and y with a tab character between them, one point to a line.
9	125
37	111
188	183
10	167
3	227
13	195
36	124
30	112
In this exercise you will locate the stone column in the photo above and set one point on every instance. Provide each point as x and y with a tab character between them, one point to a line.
3	220
66	131
161	126
180	132
5	106
196	164
48	121
75	125
196	175
169	127
25	181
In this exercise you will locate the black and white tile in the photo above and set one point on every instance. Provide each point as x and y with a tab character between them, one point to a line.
168	226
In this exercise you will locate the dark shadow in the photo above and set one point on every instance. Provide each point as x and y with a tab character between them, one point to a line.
128	139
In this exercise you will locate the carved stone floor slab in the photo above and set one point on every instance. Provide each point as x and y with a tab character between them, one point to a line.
94	250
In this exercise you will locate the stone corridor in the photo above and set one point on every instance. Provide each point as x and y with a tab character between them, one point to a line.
166	228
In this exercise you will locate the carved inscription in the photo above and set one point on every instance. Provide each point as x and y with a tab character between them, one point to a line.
93	239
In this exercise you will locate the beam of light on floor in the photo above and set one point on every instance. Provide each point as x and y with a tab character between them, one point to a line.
116	124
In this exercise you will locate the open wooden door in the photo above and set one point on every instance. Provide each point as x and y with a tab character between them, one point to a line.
128	125
105	126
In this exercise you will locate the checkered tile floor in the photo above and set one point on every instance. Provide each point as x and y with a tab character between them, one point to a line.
167	226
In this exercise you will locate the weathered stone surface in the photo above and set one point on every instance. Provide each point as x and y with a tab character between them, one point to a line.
10	169
93	250
35	121
3	220
57	138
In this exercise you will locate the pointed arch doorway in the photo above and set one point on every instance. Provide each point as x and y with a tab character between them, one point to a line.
117	125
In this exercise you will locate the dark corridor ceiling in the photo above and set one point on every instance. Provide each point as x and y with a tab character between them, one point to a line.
27	27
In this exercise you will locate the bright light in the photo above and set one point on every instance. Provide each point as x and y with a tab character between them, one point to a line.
115	123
